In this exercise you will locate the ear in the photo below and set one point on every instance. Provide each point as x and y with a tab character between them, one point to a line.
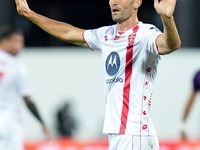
137	4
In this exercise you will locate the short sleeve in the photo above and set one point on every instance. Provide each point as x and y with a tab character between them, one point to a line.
153	33
92	39
22	82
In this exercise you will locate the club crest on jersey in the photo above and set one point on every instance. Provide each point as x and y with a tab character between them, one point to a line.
131	39
112	63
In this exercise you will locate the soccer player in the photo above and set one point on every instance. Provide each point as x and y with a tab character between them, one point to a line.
131	53
13	85
190	101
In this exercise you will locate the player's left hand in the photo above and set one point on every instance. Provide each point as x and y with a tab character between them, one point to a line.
46	132
183	136
165	8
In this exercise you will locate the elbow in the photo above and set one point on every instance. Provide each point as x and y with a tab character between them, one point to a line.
176	46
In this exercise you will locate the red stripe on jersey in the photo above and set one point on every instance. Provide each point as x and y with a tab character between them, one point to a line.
86	41
126	90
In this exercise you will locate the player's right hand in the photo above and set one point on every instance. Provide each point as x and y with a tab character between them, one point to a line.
46	132
22	7
183	136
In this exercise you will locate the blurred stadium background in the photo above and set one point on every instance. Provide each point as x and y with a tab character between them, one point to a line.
60	73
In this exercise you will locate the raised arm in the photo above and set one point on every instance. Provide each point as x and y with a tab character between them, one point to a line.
63	31
170	40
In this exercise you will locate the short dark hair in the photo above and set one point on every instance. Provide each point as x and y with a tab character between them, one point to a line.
7	32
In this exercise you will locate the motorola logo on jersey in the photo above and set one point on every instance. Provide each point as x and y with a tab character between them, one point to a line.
112	63
114	80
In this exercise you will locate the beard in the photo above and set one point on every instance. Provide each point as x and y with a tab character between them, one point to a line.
123	16
117	19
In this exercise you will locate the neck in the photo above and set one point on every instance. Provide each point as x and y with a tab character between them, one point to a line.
3	48
127	24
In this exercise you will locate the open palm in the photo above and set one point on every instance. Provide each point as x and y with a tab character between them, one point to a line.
22	6
165	7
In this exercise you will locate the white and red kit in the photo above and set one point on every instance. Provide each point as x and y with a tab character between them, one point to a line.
13	85
130	61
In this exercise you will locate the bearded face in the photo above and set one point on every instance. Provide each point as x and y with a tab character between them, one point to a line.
121	9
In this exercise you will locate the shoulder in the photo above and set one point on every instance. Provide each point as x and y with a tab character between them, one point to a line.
148	27
111	29
149	32
8	58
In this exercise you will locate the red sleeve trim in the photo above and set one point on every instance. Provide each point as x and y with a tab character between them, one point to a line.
156	44
86	41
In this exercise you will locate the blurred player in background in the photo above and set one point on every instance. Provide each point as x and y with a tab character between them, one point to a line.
66	123
190	101
13	85
131	52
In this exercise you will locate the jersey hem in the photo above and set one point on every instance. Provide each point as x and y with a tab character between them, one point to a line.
131	134
143	133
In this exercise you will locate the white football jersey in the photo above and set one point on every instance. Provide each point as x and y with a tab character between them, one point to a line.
130	61
13	85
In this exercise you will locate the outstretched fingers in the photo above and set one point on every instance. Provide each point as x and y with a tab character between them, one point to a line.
155	1
165	7
22	6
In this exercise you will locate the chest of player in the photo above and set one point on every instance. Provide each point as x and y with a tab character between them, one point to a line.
130	42
118	59
120	50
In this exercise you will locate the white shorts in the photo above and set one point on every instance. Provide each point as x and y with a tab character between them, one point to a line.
11	143
11	135
132	142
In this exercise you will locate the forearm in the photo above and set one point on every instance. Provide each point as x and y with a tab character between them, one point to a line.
189	105
33	109
170	40
171	35
63	31
187	110
58	29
